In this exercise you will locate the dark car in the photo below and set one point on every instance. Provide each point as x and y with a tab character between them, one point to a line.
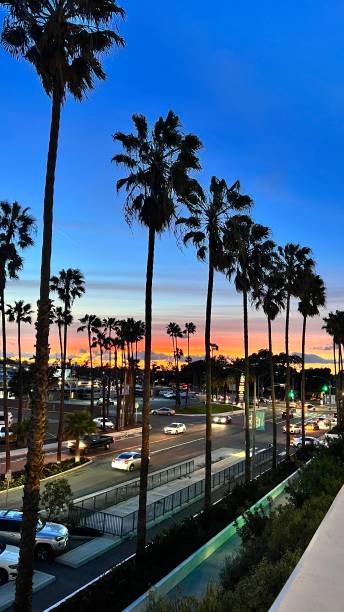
87	442
284	414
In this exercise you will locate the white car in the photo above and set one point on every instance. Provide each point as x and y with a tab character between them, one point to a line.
175	428
2	433
294	428
309	441
100	401
310	407
129	460
163	411
99	422
222	419
9	559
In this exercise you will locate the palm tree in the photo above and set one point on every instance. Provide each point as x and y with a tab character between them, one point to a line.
63	41
16	229
20	313
78	424
174	331
91	323
205	231
189	330
109	326
100	341
248	251
312	297
334	325
270	296
159	163
296	261
69	285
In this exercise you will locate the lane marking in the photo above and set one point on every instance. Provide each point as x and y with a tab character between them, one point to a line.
161	450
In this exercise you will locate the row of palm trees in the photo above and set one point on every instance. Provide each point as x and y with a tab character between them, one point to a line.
159	191
175	332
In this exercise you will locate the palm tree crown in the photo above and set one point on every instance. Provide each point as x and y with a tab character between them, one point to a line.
69	285
16	229
62	40
312	295
20	312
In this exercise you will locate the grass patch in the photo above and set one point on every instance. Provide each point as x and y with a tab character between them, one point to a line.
200	408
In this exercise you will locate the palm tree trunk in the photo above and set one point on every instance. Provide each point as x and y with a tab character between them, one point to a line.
273	399
4	374
303	383
141	519
335	373
247	394
92	378
287	382
20	377
340	376
177	377
188	374
207	483
60	431
34	465
118	395
77	450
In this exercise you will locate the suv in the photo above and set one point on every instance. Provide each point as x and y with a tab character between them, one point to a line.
9	559
51	538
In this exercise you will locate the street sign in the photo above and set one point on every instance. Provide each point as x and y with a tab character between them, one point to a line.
260	420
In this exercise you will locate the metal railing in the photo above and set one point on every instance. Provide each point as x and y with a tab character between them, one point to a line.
119	493
124	525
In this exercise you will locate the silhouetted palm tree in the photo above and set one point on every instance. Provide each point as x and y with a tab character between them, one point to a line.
16	230
312	297
69	285
63	41
270	296
78	424
91	323
248	251
19	313
109	326
296	261
334	325
159	163
205	231
189	330
175	331
100	341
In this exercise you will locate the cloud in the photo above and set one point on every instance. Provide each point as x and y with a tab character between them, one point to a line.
167	356
327	347
312	358
82	351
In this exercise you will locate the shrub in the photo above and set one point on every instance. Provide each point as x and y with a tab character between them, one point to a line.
56	497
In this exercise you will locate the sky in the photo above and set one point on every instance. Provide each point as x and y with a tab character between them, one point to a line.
262	86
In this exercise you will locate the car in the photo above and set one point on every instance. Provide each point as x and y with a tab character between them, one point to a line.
284	414
2	434
310	407
88	442
175	428
222	419
2	418
311	426
100	401
163	411
51	538
129	460
99	422
169	396
265	400
294	428
309	441
163	392
9	559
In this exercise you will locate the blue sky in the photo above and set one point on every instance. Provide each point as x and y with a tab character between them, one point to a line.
260	83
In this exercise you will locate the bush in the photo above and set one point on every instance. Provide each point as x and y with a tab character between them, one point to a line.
56	497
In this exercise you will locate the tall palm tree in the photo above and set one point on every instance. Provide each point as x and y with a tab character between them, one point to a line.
91	324
248	251
16	230
68	285
296	261
312	297
63	41
100	341
189	330
270	296
19	313
334	325
205	231
174	331
159	162
109	326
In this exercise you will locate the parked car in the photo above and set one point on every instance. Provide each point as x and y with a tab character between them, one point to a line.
294	428
163	411
2	434
90	441
51	538
9	559
130	460
309	441
169	396
99	422
222	419
175	428
100	401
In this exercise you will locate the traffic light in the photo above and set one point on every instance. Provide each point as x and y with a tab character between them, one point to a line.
291	394
325	388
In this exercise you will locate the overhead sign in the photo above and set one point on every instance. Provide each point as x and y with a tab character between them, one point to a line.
260	420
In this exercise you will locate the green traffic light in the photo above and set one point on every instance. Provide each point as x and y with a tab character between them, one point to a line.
325	388
291	394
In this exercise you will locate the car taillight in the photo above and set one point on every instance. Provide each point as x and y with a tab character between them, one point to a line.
126	461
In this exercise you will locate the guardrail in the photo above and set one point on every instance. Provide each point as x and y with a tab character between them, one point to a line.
119	493
124	525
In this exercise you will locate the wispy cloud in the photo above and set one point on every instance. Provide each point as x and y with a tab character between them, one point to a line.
313	358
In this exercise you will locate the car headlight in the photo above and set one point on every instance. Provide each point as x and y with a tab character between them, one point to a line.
13	567
59	538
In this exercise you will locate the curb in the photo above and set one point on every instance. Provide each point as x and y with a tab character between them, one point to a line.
78	467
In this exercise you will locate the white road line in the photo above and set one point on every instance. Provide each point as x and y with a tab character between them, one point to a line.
175	446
